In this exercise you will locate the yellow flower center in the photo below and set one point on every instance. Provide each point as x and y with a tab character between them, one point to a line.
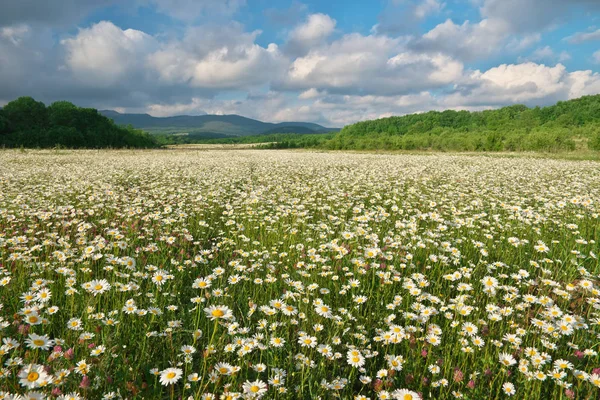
254	389
38	342
408	396
218	313
171	375
33	376
98	287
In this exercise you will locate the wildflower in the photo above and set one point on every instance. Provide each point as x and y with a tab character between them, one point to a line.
39	342
405	394
170	376
355	359
33	376
507	359
508	389
218	312
255	389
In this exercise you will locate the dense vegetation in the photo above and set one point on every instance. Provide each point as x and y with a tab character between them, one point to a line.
28	123
267	141
515	128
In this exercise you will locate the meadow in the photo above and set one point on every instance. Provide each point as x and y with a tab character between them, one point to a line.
253	274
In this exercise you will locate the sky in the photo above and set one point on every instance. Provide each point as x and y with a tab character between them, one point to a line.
332	62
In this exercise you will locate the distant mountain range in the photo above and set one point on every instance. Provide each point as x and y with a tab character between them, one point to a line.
211	126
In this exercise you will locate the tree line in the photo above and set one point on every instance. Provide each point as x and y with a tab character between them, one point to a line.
25	122
565	126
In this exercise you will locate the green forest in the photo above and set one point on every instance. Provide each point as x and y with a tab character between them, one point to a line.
25	122
565	126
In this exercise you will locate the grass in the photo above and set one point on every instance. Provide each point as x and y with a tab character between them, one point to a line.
298	275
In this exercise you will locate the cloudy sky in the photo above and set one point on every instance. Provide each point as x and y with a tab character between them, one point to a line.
332	62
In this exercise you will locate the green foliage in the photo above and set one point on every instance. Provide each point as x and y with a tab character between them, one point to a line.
594	142
27	123
25	114
514	128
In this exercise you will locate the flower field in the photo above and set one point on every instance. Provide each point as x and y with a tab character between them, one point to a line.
295	275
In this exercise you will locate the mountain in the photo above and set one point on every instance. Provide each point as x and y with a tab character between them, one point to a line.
213	125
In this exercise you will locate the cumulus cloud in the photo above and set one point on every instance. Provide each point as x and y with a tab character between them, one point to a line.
527	83
310	34
105	55
106	66
513	25
468	41
373	64
217	57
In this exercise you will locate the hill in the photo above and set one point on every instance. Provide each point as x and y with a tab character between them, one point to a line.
562	126
209	125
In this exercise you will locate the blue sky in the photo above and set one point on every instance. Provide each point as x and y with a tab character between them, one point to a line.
331	62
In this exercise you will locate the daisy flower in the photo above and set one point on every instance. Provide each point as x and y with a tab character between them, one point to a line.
170	375
508	388
405	394
33	376
39	342
255	389
218	312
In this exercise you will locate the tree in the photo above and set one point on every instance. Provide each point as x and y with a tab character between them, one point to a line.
26	114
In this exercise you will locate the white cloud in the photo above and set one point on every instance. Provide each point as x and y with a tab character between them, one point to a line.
428	7
194	107
310	34
226	57
528	83
357	64
513	25
467	41
16	33
104	54
596	57
260	106
581	37
310	94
